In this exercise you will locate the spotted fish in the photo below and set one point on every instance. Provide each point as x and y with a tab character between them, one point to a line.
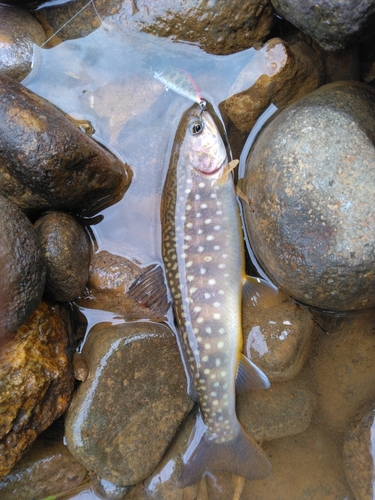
204	262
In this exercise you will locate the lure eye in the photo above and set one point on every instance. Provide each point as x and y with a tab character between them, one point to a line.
196	127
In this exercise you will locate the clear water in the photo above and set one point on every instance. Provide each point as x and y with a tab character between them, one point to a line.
108	79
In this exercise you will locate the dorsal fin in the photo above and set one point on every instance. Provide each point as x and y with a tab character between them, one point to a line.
257	291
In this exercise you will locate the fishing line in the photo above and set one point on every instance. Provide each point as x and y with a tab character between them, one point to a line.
71	19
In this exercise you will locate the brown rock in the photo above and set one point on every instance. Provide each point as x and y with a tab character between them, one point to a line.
22	268
48	468
307	466
125	414
310	179
359	457
224	29
36	380
278	336
279	73
283	410
48	162
67	254
19	31
342	369
110	278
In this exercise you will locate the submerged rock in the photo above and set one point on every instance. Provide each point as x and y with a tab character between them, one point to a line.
310	181
48	468
125	414
224	28
36	380
278	336
110	278
359	455
19	32
47	162
279	73
342	370
22	267
67	254
334	24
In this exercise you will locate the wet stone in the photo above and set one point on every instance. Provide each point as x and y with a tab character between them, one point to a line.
225	29
22	267
19	31
110	278
106	489
334	24
279	73
36	380
47	162
125	414
278	336
359	455
310	180
283	410
342	370
48	468
67	255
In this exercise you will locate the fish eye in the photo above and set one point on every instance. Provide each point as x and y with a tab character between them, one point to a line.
196	127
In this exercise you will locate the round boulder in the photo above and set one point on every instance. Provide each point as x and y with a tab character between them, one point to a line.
19	32
67	253
310	184
22	267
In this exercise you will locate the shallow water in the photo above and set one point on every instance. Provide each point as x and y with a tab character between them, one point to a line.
107	78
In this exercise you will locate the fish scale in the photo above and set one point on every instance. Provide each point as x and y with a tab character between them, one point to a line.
204	262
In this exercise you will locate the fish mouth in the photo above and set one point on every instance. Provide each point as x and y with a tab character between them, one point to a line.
213	172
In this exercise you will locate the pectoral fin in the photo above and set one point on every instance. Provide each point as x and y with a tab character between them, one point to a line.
149	289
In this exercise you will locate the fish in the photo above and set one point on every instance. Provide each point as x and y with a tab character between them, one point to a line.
181	82
203	254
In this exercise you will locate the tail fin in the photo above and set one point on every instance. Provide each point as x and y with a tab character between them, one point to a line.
241	456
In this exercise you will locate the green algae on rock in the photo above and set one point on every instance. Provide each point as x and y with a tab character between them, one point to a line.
310	180
125	414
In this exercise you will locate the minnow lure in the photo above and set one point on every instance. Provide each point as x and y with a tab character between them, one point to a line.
181	82
203	253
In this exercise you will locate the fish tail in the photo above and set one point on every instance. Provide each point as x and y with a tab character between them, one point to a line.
241	456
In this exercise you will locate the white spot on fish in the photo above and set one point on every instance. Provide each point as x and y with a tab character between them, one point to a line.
208	221
206	371
222	266
193	289
189	263
189	225
216	228
209	237
221	292
220	344
190	277
216	316
207	295
187	237
202	185
215	402
208	258
188	206
200	319
197	196
204	205
217	247
212	282
197	309
200	249
208	330
203	271
219	212
207	346
205	359
217	362
217	304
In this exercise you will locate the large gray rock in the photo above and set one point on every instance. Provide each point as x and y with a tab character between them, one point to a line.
310	183
334	24
125	414
22	267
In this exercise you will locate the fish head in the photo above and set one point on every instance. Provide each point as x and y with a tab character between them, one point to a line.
204	146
